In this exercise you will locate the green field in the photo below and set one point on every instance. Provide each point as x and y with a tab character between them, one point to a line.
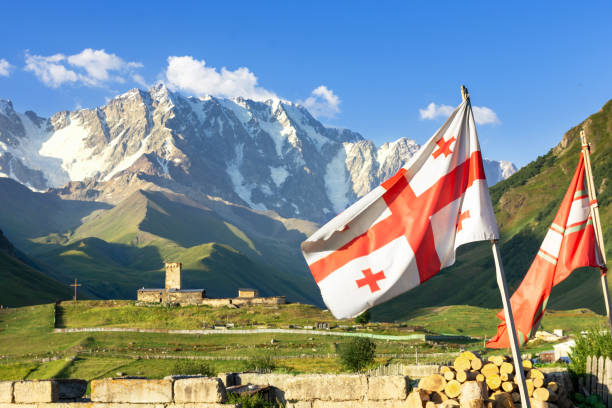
29	348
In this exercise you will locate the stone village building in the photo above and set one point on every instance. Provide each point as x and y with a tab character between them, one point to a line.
174	293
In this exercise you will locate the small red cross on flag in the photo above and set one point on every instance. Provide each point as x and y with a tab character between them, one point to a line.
408	228
370	280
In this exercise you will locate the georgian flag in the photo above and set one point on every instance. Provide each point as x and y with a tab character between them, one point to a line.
403	232
569	244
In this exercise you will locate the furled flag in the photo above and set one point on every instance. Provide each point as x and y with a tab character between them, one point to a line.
568	244
404	231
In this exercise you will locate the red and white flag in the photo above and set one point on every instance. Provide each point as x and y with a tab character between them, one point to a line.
403	232
569	244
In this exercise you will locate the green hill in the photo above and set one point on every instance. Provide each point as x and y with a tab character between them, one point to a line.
114	252
22	284
525	205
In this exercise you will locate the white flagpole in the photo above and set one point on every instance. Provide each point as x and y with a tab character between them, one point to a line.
586	152
503	289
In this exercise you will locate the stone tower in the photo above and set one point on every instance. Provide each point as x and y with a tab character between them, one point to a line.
173	275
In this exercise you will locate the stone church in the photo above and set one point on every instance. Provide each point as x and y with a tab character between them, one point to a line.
174	293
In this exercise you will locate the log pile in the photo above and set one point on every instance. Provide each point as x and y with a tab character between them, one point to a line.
472	382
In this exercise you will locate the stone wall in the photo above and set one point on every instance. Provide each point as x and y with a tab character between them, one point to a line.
150	296
296	391
273	300
216	302
192	297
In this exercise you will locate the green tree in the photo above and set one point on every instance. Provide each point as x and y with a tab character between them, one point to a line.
357	354
596	343
363	318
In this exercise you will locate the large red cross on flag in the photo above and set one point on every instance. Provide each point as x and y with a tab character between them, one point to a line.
404	231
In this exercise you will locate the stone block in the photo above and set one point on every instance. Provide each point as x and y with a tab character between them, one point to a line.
200	405
299	404
131	390
392	387
275	380
48	390
360	404
326	387
104	405
35	391
6	391
199	389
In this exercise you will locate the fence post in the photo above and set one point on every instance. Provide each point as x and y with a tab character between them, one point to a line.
593	389
608	381
586	380
600	376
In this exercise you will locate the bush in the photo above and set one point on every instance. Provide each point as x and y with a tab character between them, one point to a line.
250	401
357	354
261	364
363	318
594	343
192	367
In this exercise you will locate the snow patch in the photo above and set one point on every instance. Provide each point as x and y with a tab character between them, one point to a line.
68	145
28	153
241	188
337	183
279	175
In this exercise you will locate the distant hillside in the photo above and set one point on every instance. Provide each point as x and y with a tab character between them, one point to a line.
114	252
525	205
21	283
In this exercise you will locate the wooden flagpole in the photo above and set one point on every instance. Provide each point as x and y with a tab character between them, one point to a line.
586	152
503	289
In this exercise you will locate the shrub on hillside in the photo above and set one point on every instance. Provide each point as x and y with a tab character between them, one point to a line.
261	364
594	343
357	354
192	367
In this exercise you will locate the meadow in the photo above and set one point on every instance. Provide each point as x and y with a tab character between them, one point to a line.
29	349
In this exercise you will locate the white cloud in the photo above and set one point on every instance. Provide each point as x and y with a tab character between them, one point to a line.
432	111
193	76
90	67
482	114
5	67
322	102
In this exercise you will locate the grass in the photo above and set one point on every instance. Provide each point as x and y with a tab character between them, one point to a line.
44	354
27	285
124	313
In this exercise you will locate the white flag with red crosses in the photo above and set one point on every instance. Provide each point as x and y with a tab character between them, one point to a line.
404	231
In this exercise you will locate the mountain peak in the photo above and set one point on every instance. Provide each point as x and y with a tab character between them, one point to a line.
6	106
268	155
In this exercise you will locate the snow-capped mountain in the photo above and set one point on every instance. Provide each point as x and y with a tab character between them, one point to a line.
269	155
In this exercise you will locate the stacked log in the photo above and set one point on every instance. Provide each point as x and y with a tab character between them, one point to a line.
472	382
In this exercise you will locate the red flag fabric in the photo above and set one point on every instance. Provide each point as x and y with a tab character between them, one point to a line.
568	245
403	232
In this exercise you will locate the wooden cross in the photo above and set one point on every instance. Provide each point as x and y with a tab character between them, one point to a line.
75	285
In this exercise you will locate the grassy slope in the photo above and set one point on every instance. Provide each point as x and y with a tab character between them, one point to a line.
99	354
115	252
525	205
22	284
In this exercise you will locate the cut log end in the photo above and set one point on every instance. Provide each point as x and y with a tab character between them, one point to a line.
452	389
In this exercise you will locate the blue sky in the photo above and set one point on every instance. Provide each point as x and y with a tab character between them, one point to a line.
373	67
